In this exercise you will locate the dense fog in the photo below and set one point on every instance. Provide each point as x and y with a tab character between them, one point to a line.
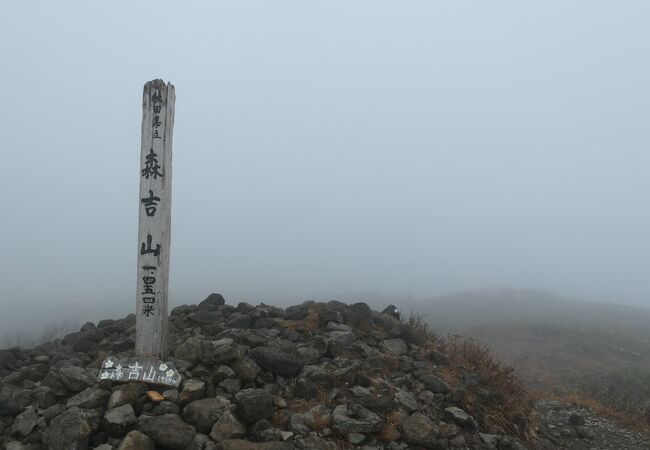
350	150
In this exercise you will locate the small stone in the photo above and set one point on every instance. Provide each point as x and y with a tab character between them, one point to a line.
343	338
69	431
218	352
212	302
336	326
354	418
460	417
189	350
406	401
278	401
394	346
222	373
245	369
155	397
92	397
277	361
205	412
44	396
286	435
391	310
227	427
192	390
76	379
231	385
489	439
584	432
254	404
419	430
576	419
510	443
104	447
167	430
134	440
356	438
432	382
164	407
239	320
125	394
13	400
171	395
24	423
118	421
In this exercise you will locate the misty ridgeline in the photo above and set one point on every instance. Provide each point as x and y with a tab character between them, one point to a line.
572	374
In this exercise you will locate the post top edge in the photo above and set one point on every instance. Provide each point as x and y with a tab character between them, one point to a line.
159	83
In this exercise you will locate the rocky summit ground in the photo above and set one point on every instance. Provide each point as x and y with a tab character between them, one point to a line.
571	427
312	376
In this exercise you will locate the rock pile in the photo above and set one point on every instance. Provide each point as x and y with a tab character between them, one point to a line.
312	376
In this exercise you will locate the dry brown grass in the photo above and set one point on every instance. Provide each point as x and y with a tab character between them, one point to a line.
300	405
280	419
310	323
420	331
321	421
508	409
322	395
390	430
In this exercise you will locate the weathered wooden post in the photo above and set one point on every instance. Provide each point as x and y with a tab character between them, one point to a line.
153	246
155	218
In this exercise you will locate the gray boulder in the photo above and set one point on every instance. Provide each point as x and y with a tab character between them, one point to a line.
193	389
24	423
13	400
212	302
277	361
44	396
395	346
239	320
75	378
118	421
246	369
219	352
419	430
354	418
406	401
126	394
432	382
189	350
227	427
205	412
222	373
167	430
69	431
92	397
135	440
254	404
460	417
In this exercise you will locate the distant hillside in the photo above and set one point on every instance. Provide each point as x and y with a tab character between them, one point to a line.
598	350
453	312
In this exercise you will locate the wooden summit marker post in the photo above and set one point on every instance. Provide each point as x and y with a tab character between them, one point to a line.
153	246
155	218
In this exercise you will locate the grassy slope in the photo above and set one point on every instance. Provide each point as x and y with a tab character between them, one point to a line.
597	352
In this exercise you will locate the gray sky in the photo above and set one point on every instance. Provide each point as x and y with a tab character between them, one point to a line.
326	148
